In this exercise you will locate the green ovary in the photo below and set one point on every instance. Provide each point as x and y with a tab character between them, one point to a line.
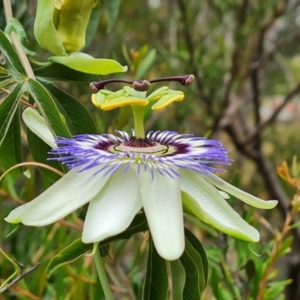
158	149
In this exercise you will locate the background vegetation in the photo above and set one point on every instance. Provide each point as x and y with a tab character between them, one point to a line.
245	57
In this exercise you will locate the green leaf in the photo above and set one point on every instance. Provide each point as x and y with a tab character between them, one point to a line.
276	288
145	64
200	250
285	247
15	26
48	108
177	279
78	114
93	23
85	63
11	147
39	151
68	254
78	248
57	72
4	72
10	54
156	281
113	7
214	283
6	82
195	264
295	225
8	108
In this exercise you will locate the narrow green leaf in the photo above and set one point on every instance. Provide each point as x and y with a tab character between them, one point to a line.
156	281
85	63
10	54
276	288
58	72
177	277
113	7
78	248
93	23
4	72
295	225
145	64
77	112
6	82
48	108
11	147
15	26
214	283
39	151
8	109
285	247
194	262
199	248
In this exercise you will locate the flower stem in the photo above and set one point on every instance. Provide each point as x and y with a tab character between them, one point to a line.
16	42
102	276
138	116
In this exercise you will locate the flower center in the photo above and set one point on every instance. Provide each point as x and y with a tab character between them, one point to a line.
141	146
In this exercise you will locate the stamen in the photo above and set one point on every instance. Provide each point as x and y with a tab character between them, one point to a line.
139	143
143	85
163	152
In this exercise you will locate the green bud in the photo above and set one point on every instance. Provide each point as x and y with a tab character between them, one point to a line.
73	21
60	25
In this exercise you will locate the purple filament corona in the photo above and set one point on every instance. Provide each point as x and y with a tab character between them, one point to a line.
164	152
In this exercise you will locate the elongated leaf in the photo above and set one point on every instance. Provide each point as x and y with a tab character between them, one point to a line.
15	26
195	265
48	108
78	248
85	63
4	72
6	82
145	64
156	281
10	54
113	7
11	148
79	116
8	109
39	151
177	277
93	23
58	72
199	248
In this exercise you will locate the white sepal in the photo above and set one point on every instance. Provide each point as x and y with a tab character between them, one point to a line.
202	200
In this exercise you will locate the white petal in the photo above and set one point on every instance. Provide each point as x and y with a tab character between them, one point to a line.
245	197
113	209
201	199
63	197
163	208
37	124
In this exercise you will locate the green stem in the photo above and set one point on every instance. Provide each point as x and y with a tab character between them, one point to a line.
138	116
16	42
102	276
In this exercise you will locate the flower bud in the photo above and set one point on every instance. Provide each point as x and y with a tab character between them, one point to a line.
73	21
60	26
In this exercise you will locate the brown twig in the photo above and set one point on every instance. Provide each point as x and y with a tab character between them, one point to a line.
279	238
272	118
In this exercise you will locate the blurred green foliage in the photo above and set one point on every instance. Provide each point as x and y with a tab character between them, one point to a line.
244	54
